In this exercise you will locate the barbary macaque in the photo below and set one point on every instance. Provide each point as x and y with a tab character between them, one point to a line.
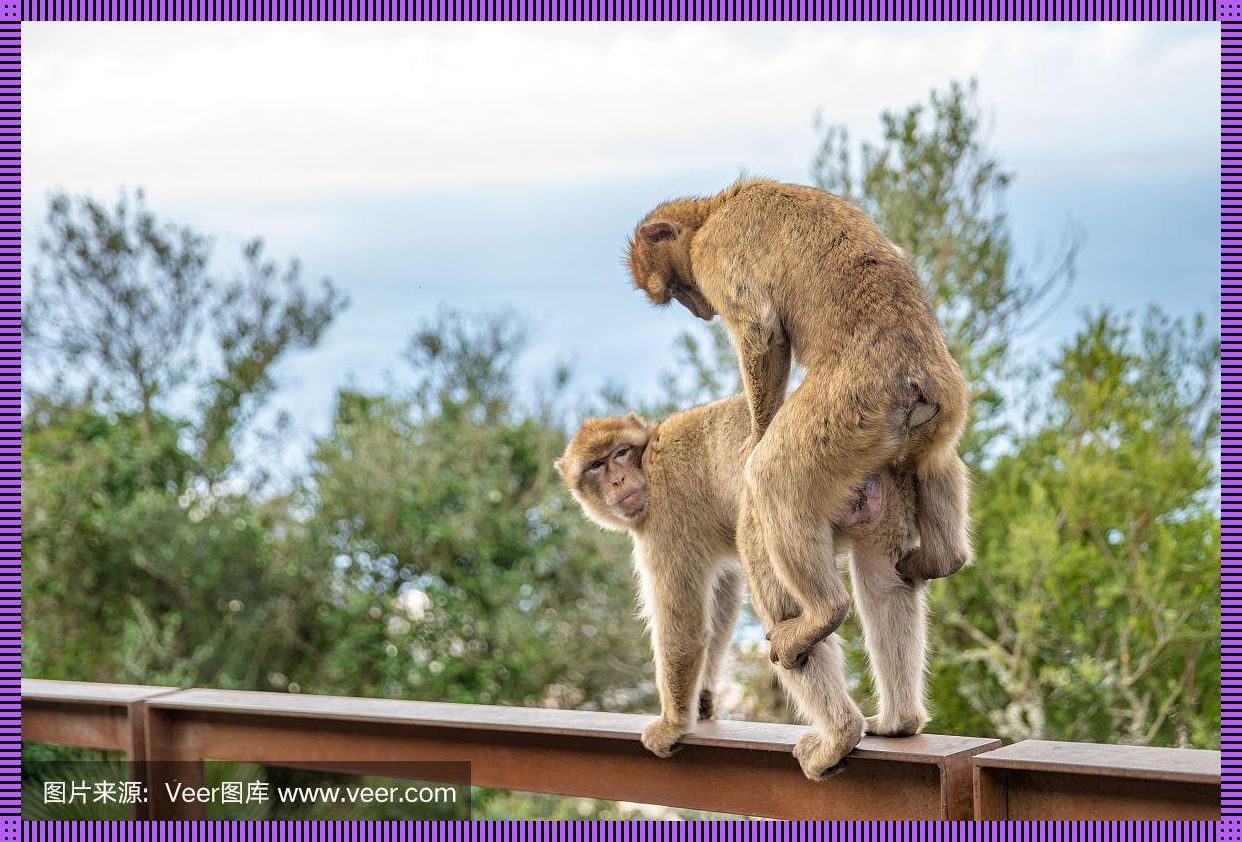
677	488
796	273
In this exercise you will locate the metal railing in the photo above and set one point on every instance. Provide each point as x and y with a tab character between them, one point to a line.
731	767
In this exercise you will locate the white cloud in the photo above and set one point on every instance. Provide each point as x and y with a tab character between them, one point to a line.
288	110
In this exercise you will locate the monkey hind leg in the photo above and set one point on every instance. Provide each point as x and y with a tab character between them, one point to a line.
805	472
942	487
726	602
894	620
769	597
819	692
776	606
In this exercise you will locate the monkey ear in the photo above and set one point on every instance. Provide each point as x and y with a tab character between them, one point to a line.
560	466
655	232
636	419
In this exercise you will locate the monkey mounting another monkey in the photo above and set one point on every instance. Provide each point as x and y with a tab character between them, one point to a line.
677	488
795	272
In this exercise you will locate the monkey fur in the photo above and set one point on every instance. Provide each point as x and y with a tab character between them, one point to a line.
798	273
677	488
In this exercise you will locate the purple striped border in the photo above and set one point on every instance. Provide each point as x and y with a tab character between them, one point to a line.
1231	412
11	12
659	10
644	831
10	411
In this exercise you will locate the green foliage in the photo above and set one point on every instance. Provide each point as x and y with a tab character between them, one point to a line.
118	317
463	570
148	557
1092	612
501	804
131	572
118	300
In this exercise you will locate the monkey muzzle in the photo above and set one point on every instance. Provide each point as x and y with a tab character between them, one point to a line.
633	503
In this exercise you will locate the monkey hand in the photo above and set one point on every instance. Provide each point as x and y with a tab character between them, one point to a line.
791	641
661	736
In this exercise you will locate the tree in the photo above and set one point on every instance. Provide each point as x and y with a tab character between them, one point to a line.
1092	612
125	312
148	555
463	571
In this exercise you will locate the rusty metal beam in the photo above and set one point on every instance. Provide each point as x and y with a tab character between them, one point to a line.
79	713
736	767
1038	779
733	767
109	717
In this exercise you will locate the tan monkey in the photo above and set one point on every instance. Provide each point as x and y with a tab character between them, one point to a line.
795	272
676	487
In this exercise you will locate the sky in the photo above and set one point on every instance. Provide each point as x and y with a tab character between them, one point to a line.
503	166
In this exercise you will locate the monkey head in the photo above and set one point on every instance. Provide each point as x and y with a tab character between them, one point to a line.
658	256
602	467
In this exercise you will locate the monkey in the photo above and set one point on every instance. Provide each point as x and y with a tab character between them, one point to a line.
676	487
796	273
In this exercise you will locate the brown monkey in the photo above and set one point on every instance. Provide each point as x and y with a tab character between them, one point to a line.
676	487
797	272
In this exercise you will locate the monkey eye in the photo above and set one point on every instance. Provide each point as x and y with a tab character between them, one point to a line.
621	451
596	465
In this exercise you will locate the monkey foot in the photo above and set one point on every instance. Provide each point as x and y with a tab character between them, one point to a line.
823	755
918	565
707	704
661	737
896	726
790	641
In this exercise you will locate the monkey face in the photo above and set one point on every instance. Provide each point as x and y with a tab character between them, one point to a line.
691	299
659	263
602	467
616	480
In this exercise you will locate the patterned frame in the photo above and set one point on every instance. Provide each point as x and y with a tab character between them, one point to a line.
12	13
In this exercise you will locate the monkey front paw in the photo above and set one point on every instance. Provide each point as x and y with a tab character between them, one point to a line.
823	755
661	737
707	704
906	725
917	564
791	641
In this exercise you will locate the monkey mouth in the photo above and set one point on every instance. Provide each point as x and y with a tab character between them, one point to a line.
633	503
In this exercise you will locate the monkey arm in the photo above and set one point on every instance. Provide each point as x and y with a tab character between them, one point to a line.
677	589
764	358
